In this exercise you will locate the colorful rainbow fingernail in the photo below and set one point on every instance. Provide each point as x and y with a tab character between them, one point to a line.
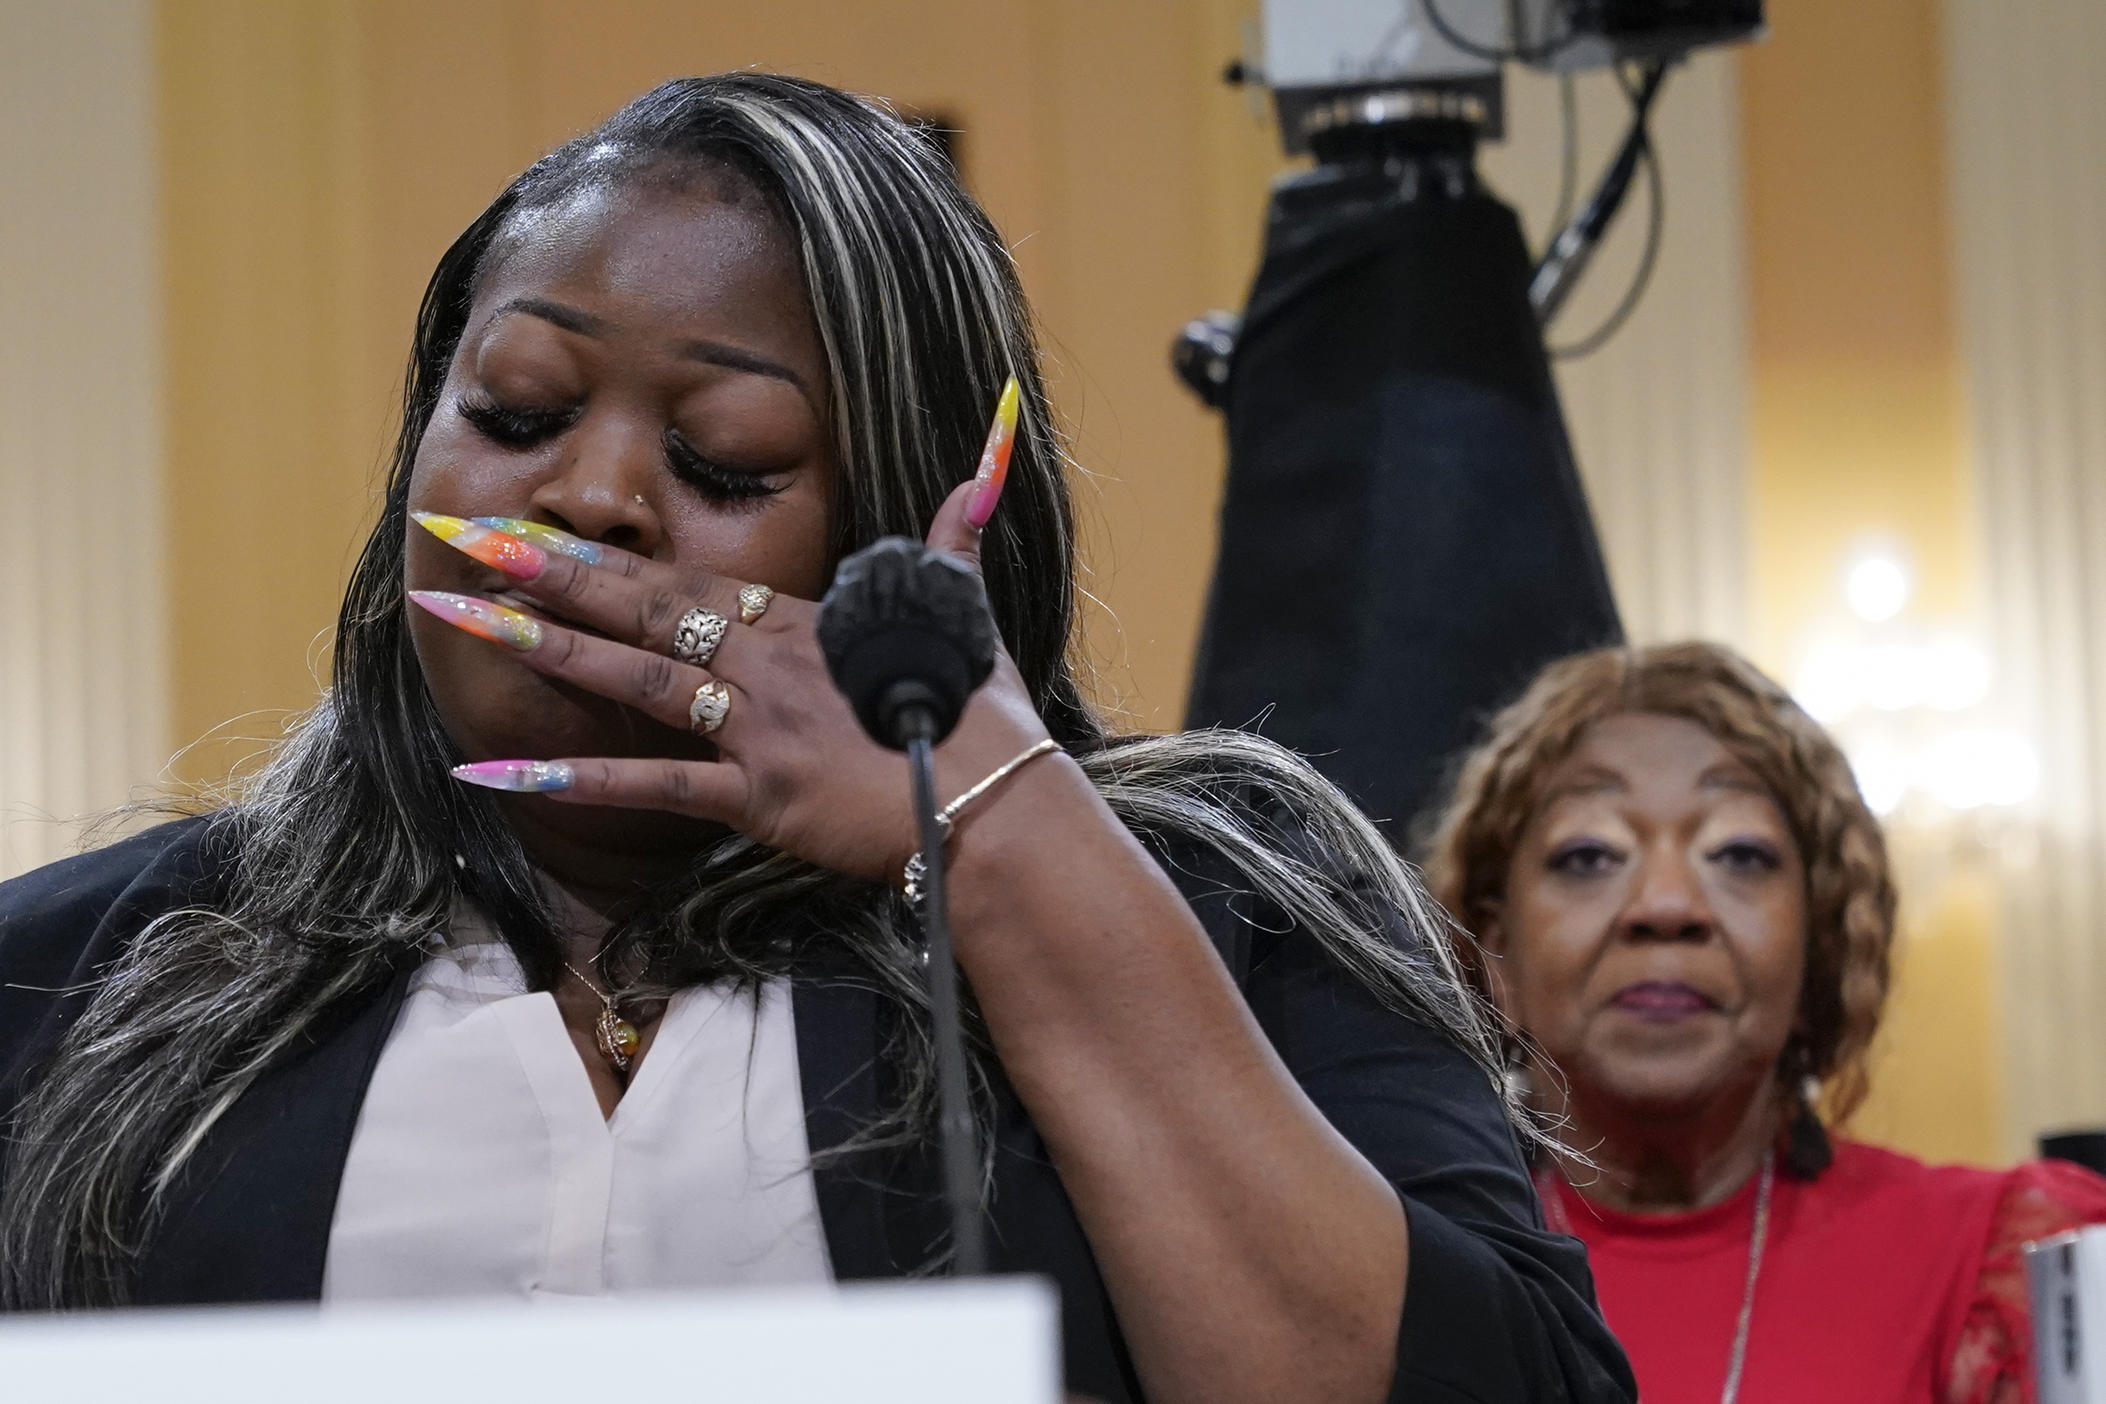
525	776
492	547
482	618
994	459
560	543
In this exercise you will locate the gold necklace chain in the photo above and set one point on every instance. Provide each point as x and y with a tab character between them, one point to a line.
617	1038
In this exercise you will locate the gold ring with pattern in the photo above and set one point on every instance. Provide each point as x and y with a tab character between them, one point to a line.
711	705
753	602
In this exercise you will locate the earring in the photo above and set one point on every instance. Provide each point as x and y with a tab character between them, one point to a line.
1520	1087
1807	1151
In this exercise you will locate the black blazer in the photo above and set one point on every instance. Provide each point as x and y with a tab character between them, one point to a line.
1498	1308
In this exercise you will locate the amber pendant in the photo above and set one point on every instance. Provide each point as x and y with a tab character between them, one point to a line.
618	1039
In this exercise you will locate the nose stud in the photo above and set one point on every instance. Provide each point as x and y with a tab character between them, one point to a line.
639	499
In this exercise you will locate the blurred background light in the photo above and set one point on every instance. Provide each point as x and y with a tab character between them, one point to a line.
1831	682
1910	707
1882	776
1955	675
1877	588
1895	676
1977	768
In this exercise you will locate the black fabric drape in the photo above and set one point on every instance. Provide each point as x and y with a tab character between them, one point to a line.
1404	539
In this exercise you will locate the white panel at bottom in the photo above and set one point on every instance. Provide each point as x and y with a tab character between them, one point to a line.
994	1342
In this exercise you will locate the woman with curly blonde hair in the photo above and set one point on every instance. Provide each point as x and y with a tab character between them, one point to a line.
1685	917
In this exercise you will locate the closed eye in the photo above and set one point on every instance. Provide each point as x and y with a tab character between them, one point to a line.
514	426
715	481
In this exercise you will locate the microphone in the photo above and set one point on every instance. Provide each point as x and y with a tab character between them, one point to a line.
907	638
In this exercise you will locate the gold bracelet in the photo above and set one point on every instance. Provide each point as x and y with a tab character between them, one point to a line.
917	866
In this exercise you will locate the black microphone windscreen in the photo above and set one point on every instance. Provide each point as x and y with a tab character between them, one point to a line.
905	627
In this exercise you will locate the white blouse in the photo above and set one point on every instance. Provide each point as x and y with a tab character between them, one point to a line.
481	1165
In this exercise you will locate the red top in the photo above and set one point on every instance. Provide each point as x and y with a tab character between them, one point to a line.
1885	1281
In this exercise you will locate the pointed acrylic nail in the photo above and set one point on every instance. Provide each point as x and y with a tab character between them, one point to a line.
557	543
994	459
482	618
525	776
491	546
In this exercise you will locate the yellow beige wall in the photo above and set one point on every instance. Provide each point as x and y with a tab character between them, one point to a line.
318	157
1857	427
82	637
2025	103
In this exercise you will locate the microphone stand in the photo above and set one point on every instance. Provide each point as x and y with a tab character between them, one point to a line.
961	1169
908	636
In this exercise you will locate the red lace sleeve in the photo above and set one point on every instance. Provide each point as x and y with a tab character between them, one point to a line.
1992	1357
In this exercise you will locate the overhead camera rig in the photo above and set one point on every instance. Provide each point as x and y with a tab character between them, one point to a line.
1337	63
1394	430
1384	79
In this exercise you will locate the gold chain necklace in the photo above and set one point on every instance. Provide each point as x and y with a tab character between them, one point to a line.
616	1036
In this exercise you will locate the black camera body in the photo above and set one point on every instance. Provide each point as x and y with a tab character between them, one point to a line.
1336	64
1597	32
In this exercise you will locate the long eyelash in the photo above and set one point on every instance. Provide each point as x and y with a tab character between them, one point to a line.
510	426
711	479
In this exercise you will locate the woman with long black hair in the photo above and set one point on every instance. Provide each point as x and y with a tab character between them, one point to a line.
562	949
